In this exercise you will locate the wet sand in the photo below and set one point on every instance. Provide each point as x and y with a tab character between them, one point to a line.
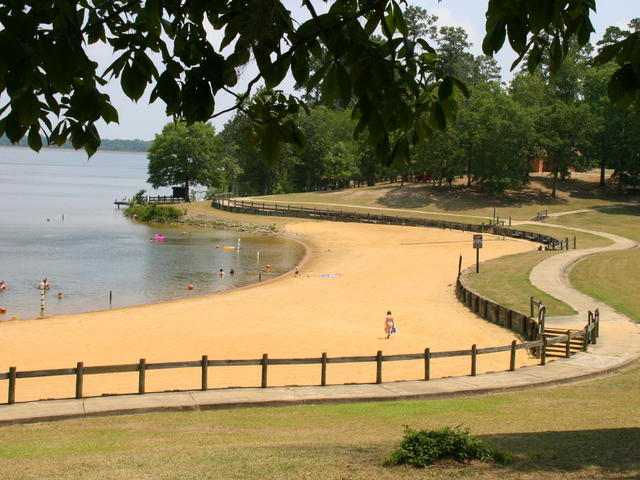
353	274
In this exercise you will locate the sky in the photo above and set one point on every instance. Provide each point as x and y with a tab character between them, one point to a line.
143	120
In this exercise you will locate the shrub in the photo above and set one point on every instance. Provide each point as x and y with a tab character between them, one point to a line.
154	213
421	448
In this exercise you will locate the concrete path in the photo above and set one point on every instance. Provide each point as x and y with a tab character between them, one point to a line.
618	346
619	336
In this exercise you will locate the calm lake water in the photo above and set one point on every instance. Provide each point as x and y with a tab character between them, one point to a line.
57	220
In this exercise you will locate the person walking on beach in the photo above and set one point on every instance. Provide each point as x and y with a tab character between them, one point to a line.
389	326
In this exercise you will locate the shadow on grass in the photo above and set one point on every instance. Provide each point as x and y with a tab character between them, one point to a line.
468	198
615	450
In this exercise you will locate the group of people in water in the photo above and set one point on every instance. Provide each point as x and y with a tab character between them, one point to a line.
221	273
43	285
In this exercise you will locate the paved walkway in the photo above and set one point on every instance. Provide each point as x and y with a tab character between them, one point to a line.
618	346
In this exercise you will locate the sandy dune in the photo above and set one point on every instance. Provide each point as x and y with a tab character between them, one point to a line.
410	271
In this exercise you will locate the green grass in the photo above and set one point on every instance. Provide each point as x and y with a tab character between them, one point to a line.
505	280
623	221
579	192
612	278
550	434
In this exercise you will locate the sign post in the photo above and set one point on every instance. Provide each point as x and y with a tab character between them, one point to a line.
477	244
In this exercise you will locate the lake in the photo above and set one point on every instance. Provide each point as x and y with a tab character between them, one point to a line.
57	220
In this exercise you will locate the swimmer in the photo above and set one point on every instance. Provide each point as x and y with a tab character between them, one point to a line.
44	285
232	272
267	267
297	271
60	295
3	286
221	273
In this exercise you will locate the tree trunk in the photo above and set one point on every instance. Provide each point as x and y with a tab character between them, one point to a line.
186	192
555	181
602	165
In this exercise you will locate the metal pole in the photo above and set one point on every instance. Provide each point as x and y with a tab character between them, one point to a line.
42	300
477	260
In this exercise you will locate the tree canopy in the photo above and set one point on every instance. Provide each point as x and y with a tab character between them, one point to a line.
396	86
184	155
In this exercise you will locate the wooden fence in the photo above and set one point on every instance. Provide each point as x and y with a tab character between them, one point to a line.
225	202
589	334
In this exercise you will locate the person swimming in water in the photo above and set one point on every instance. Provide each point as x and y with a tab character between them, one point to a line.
3	286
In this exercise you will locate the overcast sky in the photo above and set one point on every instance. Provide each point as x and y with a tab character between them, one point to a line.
143	120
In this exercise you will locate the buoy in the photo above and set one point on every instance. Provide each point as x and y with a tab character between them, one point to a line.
229	248
48	219
3	310
190	287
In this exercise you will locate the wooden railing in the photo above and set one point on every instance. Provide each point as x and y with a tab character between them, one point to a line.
164	199
226	202
589	333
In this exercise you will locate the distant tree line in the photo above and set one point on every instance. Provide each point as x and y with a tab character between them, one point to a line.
117	145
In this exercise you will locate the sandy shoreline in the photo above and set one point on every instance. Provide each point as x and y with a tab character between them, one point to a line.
373	268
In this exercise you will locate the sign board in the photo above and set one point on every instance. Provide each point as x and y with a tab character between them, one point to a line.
477	241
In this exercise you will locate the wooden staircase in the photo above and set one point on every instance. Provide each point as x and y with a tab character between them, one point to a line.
562	349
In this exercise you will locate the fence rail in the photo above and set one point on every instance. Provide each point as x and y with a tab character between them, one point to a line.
589	333
226	202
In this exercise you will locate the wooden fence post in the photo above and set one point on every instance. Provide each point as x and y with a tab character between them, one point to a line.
12	385
512	359
265	363
379	367
567	346
574	243
323	372
205	372
543	353
474	358
79	379
427	364
141	375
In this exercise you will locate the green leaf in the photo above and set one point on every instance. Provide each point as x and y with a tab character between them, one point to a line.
270	145
446	88
329	88
109	113
34	139
92	139
300	66
344	84
399	20
133	81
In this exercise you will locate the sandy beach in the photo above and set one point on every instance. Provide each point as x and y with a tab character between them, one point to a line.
353	274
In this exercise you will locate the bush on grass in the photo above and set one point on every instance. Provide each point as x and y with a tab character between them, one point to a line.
421	448
154	213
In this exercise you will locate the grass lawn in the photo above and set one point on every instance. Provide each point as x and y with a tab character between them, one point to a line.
580	191
550	434
505	280
613	277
